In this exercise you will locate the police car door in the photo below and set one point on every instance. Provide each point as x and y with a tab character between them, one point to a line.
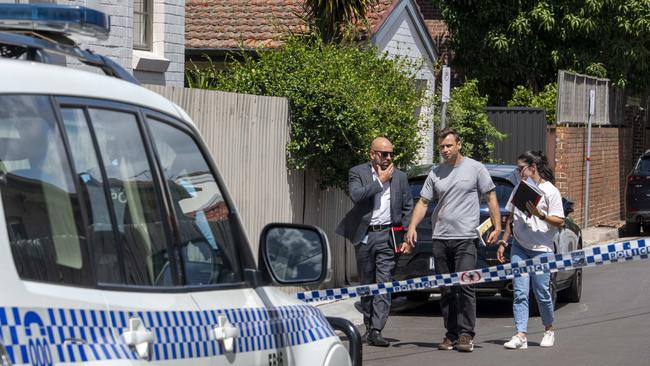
50	312
152	317
211	255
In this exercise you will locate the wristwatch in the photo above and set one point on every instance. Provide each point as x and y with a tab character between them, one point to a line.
543	217
504	243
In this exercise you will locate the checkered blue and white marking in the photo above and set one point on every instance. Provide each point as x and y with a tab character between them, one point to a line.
589	257
38	336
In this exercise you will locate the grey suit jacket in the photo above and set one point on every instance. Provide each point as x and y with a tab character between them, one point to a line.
362	192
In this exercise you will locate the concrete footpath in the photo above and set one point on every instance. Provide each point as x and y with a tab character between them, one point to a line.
345	308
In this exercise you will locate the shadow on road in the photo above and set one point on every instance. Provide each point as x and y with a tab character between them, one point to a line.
486	307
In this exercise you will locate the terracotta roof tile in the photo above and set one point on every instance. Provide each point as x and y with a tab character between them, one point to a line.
231	24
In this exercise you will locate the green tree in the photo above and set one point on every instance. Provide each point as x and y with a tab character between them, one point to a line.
524	96
333	17
341	97
466	113
508	43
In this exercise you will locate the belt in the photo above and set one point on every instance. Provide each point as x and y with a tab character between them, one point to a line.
379	228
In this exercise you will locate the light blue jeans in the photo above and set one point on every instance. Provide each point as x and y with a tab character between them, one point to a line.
541	288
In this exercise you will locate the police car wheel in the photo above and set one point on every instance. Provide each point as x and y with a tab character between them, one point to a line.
574	292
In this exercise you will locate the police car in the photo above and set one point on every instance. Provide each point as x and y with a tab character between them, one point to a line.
120	244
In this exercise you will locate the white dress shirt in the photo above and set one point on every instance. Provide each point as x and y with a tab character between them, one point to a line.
381	210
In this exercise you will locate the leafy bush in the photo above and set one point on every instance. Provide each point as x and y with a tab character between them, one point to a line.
524	97
342	97
466	113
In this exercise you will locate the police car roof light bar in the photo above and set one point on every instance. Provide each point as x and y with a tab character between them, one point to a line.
38	49
52	23
55	18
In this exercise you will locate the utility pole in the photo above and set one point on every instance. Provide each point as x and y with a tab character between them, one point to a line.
446	78
592	108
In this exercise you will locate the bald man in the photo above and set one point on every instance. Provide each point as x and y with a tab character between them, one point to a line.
382	200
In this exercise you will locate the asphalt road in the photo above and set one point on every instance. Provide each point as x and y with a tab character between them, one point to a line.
610	326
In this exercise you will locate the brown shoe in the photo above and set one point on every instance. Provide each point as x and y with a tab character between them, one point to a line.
447	344
465	343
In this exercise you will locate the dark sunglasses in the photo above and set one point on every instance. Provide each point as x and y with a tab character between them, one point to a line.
385	154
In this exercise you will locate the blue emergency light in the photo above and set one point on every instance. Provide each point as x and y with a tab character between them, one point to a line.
55	18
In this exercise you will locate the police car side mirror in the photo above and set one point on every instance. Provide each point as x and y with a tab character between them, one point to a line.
292	254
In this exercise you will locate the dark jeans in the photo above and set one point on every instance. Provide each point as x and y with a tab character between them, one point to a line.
458	303
375	263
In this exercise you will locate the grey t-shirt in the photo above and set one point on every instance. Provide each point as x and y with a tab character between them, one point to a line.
458	189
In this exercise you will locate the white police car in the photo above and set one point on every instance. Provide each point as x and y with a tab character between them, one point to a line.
120	243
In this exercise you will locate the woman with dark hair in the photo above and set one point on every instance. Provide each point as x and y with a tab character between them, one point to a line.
534	234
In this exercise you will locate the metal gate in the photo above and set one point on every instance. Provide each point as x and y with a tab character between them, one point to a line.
525	129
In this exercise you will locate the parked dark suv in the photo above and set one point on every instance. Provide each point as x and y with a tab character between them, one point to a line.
637	196
420	262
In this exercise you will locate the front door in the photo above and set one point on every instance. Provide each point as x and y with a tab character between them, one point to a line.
236	318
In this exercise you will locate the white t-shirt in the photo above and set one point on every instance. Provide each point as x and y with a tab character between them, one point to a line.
458	189
532	232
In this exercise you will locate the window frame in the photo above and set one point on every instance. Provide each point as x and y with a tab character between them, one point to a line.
243	251
91	103
147	27
86	254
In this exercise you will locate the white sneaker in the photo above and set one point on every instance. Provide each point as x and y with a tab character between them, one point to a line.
516	342
548	340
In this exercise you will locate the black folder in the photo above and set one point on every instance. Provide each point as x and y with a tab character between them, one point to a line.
525	192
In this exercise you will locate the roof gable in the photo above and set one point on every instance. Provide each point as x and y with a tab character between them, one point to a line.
420	36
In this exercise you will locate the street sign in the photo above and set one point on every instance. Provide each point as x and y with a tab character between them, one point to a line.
446	77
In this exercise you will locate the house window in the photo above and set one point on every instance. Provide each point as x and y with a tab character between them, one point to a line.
142	16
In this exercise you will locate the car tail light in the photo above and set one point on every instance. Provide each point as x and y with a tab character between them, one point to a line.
633	178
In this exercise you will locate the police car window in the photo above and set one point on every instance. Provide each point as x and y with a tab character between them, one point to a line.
41	206
133	196
208	250
100	230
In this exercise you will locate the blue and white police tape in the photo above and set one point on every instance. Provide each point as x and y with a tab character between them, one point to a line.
589	257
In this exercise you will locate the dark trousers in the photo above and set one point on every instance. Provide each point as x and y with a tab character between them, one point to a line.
458	303
375	263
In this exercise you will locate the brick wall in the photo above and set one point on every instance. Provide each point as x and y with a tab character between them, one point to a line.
441	37
614	151
436	26
570	170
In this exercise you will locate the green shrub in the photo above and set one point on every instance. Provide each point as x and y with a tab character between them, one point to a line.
524	97
466	113
342	97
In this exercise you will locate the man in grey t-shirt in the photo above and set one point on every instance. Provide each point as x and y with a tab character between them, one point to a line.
457	183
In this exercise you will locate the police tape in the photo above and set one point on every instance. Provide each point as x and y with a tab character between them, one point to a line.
589	257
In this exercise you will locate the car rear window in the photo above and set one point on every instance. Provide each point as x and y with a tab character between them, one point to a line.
416	187
503	189
644	165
